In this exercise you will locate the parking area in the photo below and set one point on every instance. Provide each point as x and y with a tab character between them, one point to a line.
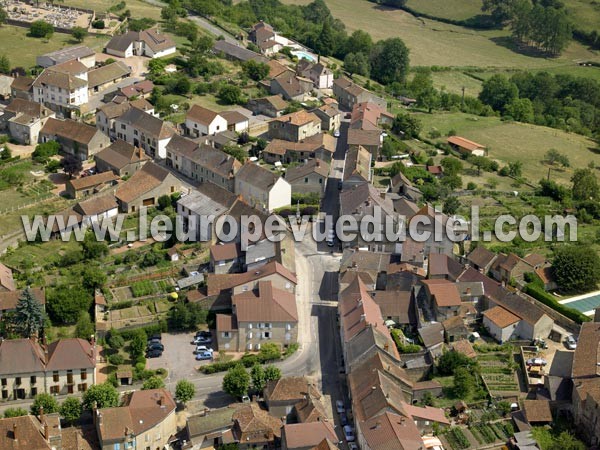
178	357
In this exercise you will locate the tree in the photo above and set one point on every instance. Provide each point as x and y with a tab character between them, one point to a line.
272	373
576	268
154	382
92	248
71	165
357	63
325	43
93	278
498	91
230	95
45	401
258	377
3	16
389	61
44	151
184	391
5	153
185	316
41	29
585	185
103	395
84	327
237	152
14	412
407	126
4	64
451	205
359	42
452	166
71	410
255	70
520	109
515	169
28	318
500	10
79	33
236	381
450	361
65	302
138	343
464	382
156	66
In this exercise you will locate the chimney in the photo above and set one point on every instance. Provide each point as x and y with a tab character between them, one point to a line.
386	347
363	317
161	400
318	163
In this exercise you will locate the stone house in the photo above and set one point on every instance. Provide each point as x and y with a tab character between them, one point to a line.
295	126
75	138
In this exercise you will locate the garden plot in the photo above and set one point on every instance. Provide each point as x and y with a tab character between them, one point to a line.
499	374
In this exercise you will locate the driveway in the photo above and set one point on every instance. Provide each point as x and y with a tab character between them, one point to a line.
178	357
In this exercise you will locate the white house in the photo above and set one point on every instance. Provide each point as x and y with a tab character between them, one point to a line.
261	188
501	323
151	43
201	121
62	88
236	121
141	129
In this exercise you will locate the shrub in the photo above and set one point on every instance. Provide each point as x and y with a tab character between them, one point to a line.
538	293
116	359
98	24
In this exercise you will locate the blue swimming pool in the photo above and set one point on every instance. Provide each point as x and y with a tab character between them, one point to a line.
582	303
303	55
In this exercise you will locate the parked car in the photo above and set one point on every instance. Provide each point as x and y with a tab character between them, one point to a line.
156	346
155	337
352	446
203	333
343	419
155	353
536	362
202	340
349	433
154	341
571	342
203	348
339	406
336	133
203	356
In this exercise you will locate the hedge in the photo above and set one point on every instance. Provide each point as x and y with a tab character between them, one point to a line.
160	327
541	295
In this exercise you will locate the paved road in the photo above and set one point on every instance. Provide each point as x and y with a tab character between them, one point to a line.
201	22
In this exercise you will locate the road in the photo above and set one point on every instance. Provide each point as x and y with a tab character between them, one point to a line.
201	22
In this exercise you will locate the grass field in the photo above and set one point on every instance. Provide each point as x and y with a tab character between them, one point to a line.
453	81
138	8
509	142
436	43
447	9
22	50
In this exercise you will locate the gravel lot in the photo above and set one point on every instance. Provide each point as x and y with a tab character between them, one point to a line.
178	357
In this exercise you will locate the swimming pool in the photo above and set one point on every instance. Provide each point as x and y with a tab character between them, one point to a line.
303	55
586	303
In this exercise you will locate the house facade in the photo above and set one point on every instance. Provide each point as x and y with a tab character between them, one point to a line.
25	119
261	188
295	126
76	138
144	130
201	121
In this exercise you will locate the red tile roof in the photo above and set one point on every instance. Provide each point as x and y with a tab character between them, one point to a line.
501	317
444	292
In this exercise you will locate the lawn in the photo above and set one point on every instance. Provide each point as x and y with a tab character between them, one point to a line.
138	8
436	43
22	50
511	141
447	9
454	81
38	254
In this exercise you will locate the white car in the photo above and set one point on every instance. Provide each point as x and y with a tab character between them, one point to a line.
352	446
536	362
336	133
203	348
349	433
571	342
339	406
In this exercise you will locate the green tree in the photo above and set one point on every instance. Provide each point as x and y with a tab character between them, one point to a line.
184	391
357	63
92	248
451	360
500	10
576	268
5	153
498	91
255	70
269	352
44	151
407	126
71	410
325	43
154	382
359	42
3	16
65	302
515	169
237	152
79	33
14	412
41	29
28	318
257	373
452	166
520	109
451	206
103	395
272	373
464	382
156	66
585	185
93	278
46	401
230	95
236	381
389	61
84	327
4	64
138	343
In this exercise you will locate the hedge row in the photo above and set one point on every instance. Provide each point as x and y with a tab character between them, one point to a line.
541	295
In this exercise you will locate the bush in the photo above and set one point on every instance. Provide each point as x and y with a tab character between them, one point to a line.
540	294
98	24
41	29
116	341
116	359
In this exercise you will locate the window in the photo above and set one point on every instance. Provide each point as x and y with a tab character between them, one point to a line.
225	334
34	392
288	326
123	126
55	376
4	381
267	335
83	374
54	389
306	180
33	379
